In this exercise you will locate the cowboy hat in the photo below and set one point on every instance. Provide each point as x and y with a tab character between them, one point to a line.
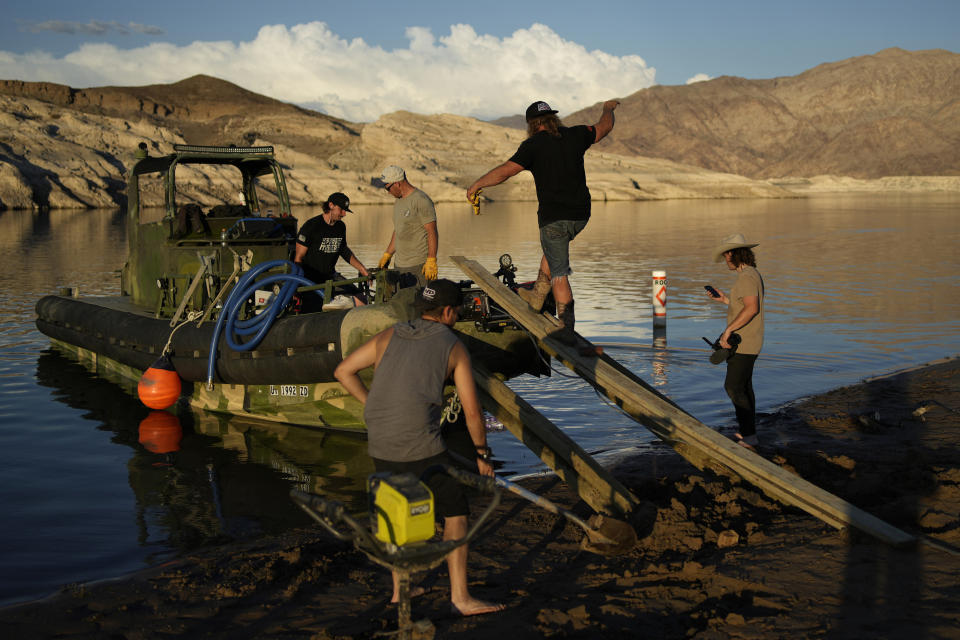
736	241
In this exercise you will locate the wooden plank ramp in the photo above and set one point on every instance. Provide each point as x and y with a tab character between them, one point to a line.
594	484
695	441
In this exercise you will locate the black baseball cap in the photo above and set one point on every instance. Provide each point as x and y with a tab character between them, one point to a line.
439	293
539	108
341	200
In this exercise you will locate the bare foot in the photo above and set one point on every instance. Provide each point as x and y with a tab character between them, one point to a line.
474	607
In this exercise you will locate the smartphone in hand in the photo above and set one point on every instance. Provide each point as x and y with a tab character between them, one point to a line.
713	292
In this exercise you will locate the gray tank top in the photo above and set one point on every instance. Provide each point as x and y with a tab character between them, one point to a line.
406	397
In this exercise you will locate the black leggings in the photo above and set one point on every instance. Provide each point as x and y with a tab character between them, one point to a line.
739	386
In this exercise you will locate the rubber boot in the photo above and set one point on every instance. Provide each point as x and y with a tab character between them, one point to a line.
536	296
567	319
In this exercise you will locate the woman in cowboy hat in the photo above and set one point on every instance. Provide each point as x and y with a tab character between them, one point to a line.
745	317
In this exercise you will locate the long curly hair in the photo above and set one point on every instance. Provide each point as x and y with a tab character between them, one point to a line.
550	122
742	255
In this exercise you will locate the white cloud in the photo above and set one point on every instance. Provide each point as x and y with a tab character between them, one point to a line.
463	72
700	77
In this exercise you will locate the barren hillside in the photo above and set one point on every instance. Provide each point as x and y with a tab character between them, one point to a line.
53	155
202	110
895	113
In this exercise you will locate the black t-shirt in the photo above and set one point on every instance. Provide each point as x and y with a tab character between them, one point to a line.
557	167
325	243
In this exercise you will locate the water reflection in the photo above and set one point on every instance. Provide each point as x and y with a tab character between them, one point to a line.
160	432
199	478
313	459
170	464
660	361
42	251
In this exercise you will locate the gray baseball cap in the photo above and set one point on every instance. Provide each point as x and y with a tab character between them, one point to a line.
391	174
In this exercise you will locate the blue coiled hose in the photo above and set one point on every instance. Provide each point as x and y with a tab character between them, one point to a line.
260	323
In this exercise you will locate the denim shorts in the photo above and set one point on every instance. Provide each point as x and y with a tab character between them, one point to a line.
555	239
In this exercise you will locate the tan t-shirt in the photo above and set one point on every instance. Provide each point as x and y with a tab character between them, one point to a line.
748	283
409	216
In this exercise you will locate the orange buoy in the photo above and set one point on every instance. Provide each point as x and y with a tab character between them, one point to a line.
159	386
160	432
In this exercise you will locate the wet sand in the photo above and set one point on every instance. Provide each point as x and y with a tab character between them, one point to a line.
715	558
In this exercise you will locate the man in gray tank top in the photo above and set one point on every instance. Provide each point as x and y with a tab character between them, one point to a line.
412	361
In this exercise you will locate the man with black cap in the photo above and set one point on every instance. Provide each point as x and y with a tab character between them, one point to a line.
554	154
412	362
321	241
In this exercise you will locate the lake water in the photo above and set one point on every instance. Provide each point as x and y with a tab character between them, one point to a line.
856	286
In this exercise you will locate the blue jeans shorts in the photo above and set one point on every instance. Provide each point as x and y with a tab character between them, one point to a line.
555	239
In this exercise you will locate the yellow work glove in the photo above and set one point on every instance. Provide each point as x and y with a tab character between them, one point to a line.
430	269
385	260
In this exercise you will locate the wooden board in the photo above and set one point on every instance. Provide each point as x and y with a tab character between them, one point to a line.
573	465
697	442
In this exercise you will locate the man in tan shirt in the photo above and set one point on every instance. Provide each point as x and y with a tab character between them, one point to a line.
415	238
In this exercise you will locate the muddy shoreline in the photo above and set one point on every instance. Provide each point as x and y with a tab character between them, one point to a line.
715	559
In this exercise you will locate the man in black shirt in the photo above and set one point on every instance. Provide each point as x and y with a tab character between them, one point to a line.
554	154
322	240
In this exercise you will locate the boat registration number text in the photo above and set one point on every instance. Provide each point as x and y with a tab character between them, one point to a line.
290	390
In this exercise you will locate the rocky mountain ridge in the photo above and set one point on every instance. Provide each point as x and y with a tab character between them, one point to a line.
203	109
894	113
65	147
56	157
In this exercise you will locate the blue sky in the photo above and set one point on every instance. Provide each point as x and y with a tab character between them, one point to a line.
360	59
